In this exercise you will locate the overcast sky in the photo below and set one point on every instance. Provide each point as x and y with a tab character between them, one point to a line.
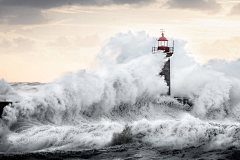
42	39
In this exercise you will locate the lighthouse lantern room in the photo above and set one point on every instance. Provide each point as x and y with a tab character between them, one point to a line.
162	43
163	46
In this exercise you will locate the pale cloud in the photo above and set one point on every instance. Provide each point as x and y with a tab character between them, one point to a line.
60	42
17	45
210	6
24	31
89	41
235	10
228	49
79	42
23	44
5	44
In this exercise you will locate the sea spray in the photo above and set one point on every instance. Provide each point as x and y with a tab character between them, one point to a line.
5	88
89	92
84	110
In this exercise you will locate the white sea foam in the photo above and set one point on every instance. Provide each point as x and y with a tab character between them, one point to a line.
84	109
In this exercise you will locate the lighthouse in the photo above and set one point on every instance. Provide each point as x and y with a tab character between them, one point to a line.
168	52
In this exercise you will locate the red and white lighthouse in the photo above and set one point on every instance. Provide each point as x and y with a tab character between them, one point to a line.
168	51
163	43
163	46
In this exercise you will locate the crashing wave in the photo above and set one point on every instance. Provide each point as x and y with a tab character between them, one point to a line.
90	109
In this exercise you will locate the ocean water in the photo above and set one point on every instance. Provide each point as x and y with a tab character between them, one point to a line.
120	110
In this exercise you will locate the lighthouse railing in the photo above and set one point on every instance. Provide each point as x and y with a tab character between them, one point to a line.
168	49
154	49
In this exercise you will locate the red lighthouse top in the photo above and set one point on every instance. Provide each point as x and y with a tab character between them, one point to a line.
163	46
162	38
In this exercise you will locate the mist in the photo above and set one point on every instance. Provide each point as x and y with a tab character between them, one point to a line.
80	110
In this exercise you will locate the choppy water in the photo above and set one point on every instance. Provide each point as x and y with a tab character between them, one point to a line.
119	111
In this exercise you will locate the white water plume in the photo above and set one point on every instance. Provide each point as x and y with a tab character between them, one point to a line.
84	109
94	92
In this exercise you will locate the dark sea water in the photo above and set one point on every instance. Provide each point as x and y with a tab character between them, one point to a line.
129	152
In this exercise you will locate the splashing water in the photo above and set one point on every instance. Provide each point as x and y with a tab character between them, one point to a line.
84	110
